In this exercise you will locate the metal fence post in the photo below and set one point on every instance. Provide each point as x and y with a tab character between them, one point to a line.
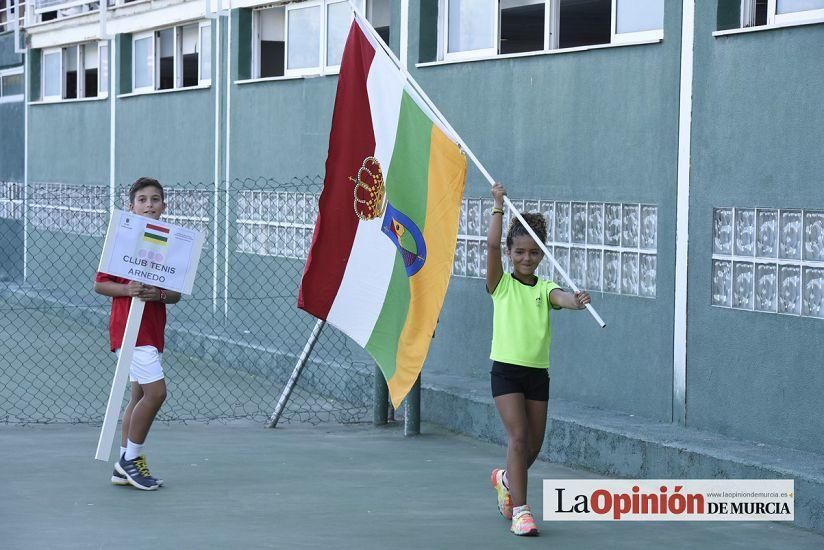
412	410
380	405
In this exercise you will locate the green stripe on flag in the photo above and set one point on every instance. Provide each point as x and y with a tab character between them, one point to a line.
407	182
407	186
383	342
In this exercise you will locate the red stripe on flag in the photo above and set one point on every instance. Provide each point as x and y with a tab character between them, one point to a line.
157	228
350	142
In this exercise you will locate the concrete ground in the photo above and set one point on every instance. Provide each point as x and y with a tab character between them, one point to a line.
240	486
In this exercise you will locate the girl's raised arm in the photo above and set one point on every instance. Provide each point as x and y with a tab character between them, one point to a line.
494	269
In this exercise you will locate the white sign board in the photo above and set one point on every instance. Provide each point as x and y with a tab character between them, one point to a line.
151	251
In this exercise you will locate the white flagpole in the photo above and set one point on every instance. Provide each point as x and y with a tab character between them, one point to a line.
442	119
121	378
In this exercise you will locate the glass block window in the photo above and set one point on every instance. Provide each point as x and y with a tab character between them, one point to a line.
276	223
604	247
77	209
11	200
768	260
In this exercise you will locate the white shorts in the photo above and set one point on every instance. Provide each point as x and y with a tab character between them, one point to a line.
145	367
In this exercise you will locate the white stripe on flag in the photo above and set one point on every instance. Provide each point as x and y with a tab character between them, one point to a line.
362	290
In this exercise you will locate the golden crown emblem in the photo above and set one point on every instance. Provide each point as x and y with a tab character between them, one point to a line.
370	190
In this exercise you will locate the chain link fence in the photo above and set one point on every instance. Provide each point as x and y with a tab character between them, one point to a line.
230	346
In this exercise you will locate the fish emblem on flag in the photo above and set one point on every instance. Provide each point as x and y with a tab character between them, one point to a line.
370	202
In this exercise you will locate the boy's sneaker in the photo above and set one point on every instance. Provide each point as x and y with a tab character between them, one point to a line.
523	524
137	473
504	500
120	479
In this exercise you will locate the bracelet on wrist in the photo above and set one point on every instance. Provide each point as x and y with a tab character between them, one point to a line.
496	210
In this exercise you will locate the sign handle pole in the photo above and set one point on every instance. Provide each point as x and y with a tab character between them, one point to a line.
121	378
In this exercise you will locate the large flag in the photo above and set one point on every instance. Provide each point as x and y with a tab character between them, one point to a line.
384	242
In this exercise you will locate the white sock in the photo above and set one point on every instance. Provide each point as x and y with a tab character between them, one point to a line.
122	451
133	450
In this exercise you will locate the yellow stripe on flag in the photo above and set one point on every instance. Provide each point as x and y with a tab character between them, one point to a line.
447	176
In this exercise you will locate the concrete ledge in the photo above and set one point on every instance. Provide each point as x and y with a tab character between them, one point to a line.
617	444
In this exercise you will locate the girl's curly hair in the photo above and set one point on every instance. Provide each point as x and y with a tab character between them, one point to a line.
535	220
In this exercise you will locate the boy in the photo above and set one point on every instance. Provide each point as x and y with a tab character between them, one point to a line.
146	198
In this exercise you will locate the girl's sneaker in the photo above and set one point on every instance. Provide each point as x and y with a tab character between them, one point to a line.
504	500
523	523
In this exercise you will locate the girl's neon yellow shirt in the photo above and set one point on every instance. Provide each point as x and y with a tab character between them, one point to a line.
521	332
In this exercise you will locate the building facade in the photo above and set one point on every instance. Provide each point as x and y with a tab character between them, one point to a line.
675	148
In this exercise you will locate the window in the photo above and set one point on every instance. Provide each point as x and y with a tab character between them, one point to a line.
522	25
482	28
52	63
143	62
165	65
303	38
70	82
757	13
787	11
75	72
270	42
177	57
377	12
103	61
205	74
303	24
11	85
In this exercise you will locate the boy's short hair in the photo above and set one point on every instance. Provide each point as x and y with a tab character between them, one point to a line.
142	183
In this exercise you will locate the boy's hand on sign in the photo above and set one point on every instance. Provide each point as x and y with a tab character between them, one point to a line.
133	289
149	293
582	299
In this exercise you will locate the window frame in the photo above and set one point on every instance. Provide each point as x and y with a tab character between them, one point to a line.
327	68
482	52
16	97
142	36
175	57
775	18
59	53
256	40
323	67
552	21
102	92
636	36
305	71
201	80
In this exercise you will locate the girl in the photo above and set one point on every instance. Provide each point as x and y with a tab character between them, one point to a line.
520	353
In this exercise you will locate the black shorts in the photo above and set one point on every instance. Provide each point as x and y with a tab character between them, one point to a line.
532	382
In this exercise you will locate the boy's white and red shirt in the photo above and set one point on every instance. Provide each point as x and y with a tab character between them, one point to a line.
151	327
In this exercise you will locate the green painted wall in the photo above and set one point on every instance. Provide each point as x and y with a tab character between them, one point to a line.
11	141
11	119
758	126
69	142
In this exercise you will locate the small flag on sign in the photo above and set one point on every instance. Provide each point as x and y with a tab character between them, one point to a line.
156	235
